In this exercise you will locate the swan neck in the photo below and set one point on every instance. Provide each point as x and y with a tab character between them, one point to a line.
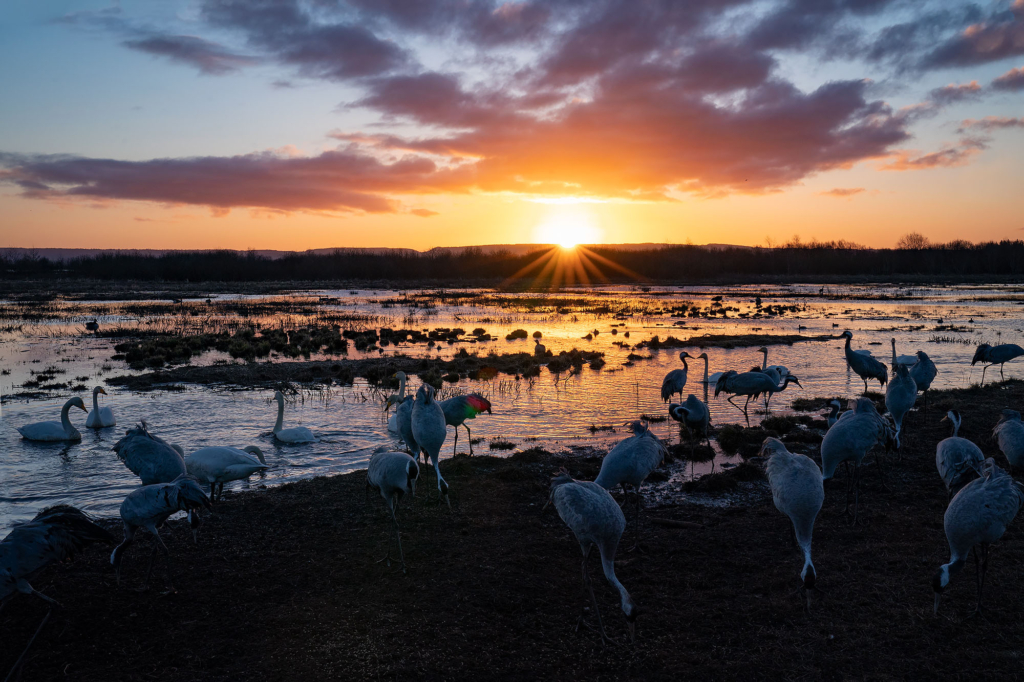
280	415
705	370
96	400
401	388
764	361
894	355
65	421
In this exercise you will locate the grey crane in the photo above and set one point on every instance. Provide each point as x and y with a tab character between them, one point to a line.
995	355
403	415
849	440
596	521
149	457
865	366
833	415
975	519
692	414
1009	433
538	348
900	394
924	372
630	462
393	474
798	492
675	381
459	410
148	507
752	385
957	459
429	430
54	535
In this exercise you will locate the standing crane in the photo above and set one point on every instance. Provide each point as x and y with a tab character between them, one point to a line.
995	355
798	492
865	366
900	395
849	440
1009	432
923	372
957	459
395	399
630	462
975	519
596	521
429	430
752	385
148	507
693	415
393	474
675	381
460	409
149	457
54	535
403	417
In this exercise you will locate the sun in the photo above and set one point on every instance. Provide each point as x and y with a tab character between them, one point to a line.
567	226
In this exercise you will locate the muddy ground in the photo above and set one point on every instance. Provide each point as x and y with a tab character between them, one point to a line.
284	585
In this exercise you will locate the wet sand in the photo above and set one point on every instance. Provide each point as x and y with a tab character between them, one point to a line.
284	584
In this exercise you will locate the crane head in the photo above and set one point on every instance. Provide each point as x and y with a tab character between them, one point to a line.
980	353
846	335
632	612
939	582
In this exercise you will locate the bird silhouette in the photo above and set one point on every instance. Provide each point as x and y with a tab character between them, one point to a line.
995	355
975	519
99	417
460	409
218	465
865	366
429	430
693	415
957	459
55	431
297	434
798	492
630	462
393	474
752	385
148	508
675	381
848	441
1009	433
596	521
900	395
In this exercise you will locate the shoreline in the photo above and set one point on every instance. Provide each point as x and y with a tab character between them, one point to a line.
284	584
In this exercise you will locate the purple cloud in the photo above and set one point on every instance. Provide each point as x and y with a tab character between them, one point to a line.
208	57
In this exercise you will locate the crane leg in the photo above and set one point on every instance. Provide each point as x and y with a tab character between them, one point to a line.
469	435
588	583
167	558
856	493
983	370
981	570
730	399
17	663
747	416
1001	377
149	567
636	522
398	538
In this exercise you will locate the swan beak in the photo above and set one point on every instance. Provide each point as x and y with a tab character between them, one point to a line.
102	391
83	408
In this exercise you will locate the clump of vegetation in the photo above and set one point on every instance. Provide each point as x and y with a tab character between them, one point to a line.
537	335
502	444
654	418
738	439
516	334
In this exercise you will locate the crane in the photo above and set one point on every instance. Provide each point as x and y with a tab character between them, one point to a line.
957	459
798	492
393	474
148	507
900	395
1009	432
460	409
975	519
630	462
865	366
596	521
995	355
675	381
429	430
751	385
849	440
692	414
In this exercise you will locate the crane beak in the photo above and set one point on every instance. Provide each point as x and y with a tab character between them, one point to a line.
938	598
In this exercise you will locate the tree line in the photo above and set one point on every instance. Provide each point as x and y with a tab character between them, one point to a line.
682	263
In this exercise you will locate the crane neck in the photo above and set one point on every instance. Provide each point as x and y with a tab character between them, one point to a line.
280	415
764	361
705	370
956	427
401	388
608	564
894	363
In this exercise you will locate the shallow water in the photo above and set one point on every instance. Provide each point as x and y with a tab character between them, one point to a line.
539	412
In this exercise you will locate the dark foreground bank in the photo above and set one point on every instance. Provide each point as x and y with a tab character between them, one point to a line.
284	584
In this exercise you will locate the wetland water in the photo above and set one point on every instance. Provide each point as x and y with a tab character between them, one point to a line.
35	336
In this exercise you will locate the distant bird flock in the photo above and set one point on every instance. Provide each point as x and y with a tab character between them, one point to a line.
983	498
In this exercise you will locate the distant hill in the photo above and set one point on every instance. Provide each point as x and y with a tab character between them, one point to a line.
514	249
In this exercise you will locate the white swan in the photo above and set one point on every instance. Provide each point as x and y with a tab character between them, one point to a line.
99	417
218	465
55	431
396	400
298	434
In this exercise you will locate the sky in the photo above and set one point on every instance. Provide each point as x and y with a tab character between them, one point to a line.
299	124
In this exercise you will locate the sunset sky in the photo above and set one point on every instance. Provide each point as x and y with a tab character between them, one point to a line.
419	123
